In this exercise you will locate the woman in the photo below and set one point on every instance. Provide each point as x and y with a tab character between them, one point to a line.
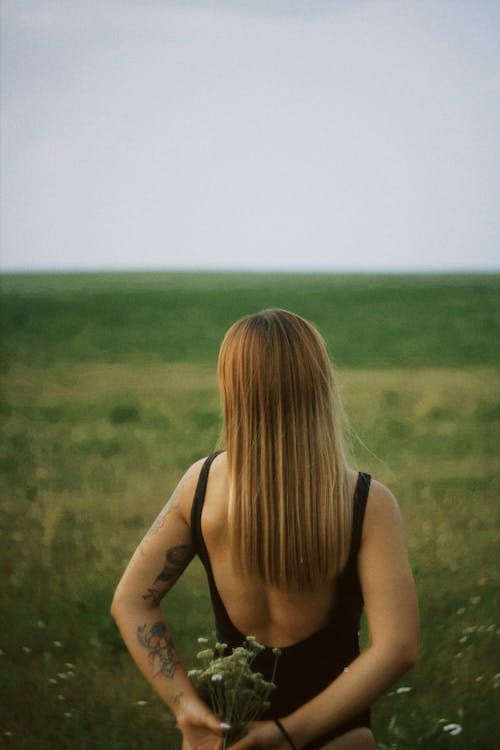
294	543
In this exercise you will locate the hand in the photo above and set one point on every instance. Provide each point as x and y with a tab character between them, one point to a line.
201	729
262	735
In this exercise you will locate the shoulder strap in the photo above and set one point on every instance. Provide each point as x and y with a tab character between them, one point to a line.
358	512
222	620
197	507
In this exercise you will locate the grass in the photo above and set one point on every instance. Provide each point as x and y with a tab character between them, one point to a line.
109	393
367	320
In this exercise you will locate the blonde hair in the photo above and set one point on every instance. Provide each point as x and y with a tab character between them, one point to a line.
289	510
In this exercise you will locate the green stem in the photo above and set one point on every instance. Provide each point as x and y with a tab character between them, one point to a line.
276	657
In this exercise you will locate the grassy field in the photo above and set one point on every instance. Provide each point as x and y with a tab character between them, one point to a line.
109	393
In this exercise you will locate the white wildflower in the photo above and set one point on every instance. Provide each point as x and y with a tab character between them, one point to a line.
207	654
141	703
202	640
452	729
403	689
258	647
217	677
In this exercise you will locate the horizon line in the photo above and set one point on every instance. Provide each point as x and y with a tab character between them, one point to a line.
257	271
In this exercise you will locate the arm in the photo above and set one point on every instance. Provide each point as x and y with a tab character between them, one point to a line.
160	559
392	612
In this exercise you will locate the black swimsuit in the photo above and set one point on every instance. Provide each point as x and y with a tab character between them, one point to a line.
305	668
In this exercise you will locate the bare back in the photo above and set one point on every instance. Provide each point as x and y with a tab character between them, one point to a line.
274	618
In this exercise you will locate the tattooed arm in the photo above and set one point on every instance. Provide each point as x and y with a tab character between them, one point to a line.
160	559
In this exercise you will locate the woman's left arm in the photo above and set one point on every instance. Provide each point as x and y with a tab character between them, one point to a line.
156	565
392	612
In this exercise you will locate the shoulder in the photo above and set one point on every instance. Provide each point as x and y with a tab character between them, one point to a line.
381	500
381	507
380	497
183	494
186	488
383	517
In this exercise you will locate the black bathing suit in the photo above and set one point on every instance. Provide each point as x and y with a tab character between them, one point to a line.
305	668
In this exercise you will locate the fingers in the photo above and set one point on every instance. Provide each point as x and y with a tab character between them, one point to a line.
261	735
213	724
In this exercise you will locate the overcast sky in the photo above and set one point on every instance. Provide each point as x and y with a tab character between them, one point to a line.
340	135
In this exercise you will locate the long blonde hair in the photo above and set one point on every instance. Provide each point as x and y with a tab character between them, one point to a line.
289	513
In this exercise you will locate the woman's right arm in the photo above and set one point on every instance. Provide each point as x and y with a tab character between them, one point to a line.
392	612
156	565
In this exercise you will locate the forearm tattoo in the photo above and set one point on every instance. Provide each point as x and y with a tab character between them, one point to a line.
162	654
176	560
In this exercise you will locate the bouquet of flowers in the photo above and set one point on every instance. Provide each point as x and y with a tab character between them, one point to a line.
237	694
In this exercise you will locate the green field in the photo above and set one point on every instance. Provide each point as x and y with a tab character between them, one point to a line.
109	393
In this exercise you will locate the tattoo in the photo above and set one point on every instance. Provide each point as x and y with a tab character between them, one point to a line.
154	594
162	654
176	560
178	696
158	523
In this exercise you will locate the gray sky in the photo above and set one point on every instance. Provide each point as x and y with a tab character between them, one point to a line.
349	135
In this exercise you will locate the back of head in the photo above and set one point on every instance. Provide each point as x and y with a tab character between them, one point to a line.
289	511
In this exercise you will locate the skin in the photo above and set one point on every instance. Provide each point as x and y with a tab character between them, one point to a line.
275	619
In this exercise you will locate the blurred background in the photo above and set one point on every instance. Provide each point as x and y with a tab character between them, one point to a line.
166	168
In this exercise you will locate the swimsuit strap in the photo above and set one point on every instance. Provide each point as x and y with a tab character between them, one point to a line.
197	508
221	616
359	508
